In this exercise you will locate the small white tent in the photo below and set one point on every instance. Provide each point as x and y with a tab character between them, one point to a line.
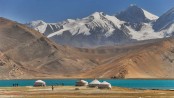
81	83
39	83
104	84
94	83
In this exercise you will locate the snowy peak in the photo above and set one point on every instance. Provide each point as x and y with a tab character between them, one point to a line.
147	14
135	14
97	14
38	25
96	22
132	24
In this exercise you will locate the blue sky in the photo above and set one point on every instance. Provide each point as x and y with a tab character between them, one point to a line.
57	10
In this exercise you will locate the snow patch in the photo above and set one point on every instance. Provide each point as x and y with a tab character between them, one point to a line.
149	15
38	25
114	20
145	33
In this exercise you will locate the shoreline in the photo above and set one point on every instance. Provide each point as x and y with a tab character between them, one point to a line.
83	92
123	83
89	87
92	78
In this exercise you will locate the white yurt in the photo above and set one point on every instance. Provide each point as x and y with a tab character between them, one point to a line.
81	83
39	83
104	85
94	83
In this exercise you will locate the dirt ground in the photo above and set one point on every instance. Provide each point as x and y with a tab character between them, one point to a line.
83	92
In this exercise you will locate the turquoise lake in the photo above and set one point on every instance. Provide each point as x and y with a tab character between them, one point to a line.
128	83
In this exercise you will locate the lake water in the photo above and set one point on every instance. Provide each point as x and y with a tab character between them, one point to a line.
128	83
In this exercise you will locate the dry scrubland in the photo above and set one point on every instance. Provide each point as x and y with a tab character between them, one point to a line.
84	92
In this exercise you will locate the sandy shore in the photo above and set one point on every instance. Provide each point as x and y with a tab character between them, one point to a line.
84	92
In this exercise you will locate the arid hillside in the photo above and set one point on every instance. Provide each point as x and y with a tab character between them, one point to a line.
26	54
149	59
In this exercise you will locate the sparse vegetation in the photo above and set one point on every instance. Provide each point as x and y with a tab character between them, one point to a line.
82	92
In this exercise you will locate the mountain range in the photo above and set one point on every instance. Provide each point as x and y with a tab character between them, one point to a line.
130	25
27	54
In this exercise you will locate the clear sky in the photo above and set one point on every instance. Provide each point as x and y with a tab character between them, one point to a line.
57	10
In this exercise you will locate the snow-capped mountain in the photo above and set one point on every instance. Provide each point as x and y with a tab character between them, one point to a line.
132	24
38	25
136	16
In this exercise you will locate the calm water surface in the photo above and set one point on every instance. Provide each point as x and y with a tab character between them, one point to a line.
128	83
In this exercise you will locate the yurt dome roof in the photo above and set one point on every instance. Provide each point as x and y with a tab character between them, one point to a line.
104	82
39	81
95	82
83	81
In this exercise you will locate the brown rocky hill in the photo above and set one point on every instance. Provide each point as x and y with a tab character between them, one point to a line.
26	54
151	59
